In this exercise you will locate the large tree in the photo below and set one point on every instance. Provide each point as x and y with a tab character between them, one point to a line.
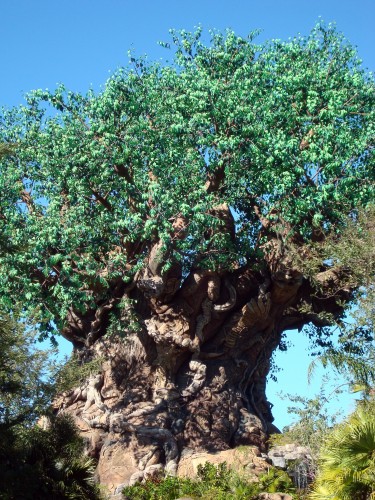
164	226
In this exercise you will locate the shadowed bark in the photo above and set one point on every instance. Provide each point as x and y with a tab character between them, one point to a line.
193	375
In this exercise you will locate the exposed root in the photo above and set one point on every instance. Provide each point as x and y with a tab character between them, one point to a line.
199	369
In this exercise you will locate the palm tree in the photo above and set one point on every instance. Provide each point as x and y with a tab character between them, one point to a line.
347	460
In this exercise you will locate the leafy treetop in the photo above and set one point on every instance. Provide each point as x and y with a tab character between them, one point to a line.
277	136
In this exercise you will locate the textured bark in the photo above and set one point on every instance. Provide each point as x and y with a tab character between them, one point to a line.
193	375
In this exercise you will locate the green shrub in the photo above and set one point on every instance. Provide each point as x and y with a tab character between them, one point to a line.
213	483
276	480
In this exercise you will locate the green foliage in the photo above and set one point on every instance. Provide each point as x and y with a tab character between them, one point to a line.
95	179
213	483
6	149
342	454
353	354
354	249
350	248
352	357
275	481
347	461
45	463
35	462
25	380
123	319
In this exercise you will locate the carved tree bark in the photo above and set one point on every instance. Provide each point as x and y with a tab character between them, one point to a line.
193	376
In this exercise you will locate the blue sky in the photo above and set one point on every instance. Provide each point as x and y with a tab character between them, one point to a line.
80	42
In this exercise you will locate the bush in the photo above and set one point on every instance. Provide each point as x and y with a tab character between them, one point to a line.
213	483
45	463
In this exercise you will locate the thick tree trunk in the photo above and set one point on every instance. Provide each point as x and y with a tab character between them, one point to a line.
191	378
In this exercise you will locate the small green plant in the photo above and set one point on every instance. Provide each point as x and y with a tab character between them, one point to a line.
45	463
214	475
275	480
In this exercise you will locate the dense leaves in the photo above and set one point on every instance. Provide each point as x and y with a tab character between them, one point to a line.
45	463
25	384
281	133
35	462
347	469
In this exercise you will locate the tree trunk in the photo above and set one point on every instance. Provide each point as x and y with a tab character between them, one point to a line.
192	376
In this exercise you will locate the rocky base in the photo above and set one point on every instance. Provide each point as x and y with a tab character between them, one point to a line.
246	460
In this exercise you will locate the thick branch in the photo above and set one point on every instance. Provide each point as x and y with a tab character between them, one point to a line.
102	200
29	202
124	172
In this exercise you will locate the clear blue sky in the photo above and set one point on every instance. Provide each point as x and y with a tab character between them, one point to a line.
45	42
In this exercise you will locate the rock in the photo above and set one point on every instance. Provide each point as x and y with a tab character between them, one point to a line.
153	471
135	478
272	429
116	465
119	488
296	459
281	455
279	462
244	459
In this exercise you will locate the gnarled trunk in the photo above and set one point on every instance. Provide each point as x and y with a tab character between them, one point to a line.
193	375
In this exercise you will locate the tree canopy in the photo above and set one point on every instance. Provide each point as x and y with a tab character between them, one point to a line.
25	376
204	161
